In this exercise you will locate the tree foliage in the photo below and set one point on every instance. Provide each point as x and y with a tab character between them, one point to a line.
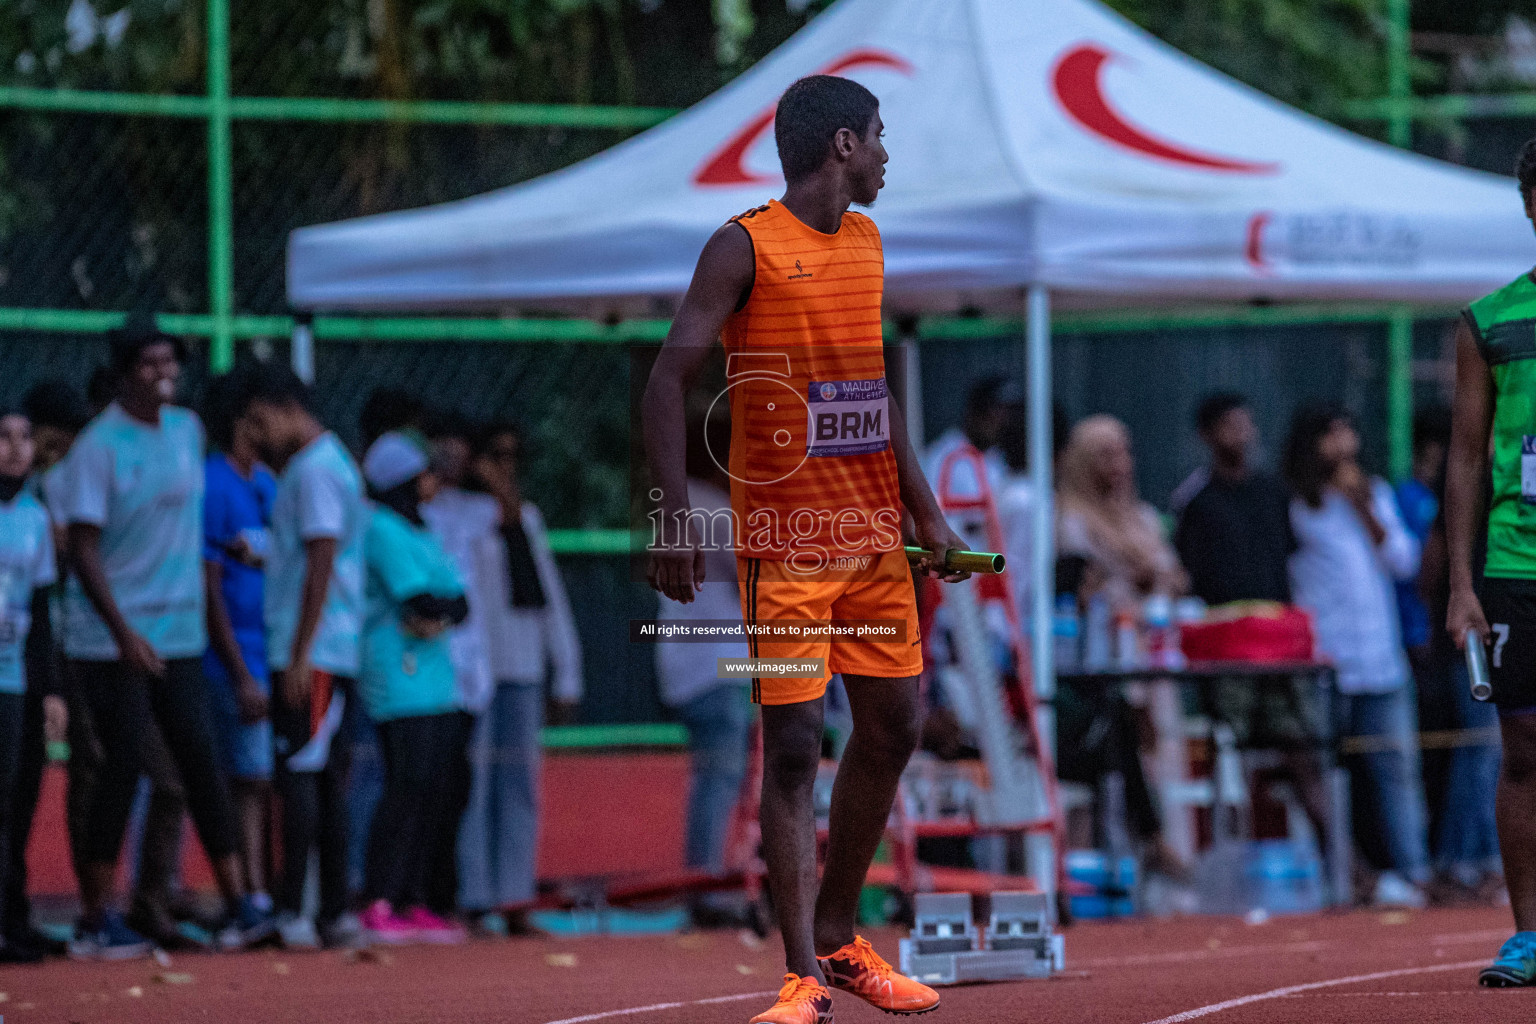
125	198
108	212
1312	53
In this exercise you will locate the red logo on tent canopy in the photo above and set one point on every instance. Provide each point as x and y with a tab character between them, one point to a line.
725	167
1253	251
1079	87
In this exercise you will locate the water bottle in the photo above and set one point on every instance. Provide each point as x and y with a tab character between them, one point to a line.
1163	649
1127	642
1097	640
1066	627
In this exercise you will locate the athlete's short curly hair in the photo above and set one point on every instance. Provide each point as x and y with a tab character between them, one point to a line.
1525	168
810	113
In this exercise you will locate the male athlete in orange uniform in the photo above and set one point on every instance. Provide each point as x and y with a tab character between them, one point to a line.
822	471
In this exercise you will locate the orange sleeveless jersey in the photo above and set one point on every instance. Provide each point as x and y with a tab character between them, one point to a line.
811	459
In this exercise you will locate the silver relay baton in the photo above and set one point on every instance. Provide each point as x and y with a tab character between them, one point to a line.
1477	666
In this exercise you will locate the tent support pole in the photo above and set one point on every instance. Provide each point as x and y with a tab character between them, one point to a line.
1041	854
1400	391
912	387
302	347
1043	584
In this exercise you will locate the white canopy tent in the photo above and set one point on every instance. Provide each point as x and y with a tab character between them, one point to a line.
1039	145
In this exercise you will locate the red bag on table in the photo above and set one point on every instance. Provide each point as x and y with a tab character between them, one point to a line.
1260	631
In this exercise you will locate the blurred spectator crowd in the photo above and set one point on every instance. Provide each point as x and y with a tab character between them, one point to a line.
228	613
218	610
1363	558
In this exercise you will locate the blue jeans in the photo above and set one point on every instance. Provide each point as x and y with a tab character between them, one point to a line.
1385	783
1469	837
717	722
499	834
365	785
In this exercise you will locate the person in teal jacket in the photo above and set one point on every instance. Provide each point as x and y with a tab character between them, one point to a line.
412	597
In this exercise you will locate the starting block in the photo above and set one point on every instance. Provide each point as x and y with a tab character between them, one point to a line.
945	948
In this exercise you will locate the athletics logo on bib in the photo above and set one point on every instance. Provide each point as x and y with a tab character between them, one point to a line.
847	417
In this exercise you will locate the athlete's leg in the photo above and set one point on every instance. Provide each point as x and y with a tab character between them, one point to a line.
791	753
1517	815
887	721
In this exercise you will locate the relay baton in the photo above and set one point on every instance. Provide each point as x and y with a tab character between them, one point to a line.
1477	666
963	561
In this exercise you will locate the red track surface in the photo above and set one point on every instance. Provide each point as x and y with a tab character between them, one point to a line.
1116	974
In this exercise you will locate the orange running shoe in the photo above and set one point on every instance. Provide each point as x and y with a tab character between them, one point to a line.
801	1001
857	968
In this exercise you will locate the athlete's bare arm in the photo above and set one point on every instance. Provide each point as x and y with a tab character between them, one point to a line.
1466	467
721	281
928	522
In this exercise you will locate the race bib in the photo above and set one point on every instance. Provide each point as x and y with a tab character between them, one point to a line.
847	417
1528	469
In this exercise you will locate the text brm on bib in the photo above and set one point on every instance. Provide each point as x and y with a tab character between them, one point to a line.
847	417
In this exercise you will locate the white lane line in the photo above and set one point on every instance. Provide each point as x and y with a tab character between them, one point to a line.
1221	952
1479	992
1492	935
1311	986
1126	961
658	1007
1199	953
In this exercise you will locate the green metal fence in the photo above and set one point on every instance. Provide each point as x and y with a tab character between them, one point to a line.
214	183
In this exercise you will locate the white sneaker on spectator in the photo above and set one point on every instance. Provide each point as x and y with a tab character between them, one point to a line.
1395	891
297	932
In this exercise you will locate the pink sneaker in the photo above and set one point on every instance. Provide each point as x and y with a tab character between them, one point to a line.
431	928
387	927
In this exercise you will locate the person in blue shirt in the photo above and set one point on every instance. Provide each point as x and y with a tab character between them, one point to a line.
237	512
412	597
26	571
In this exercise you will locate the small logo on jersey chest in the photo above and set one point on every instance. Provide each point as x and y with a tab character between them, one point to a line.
800	272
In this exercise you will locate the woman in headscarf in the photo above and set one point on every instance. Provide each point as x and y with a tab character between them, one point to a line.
1102	520
1101	516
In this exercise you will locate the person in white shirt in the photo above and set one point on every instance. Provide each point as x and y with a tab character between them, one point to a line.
134	625
532	642
988	405
1351	549
467	523
313	612
59	414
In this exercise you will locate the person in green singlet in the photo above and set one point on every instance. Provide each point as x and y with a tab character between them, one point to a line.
1494	413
